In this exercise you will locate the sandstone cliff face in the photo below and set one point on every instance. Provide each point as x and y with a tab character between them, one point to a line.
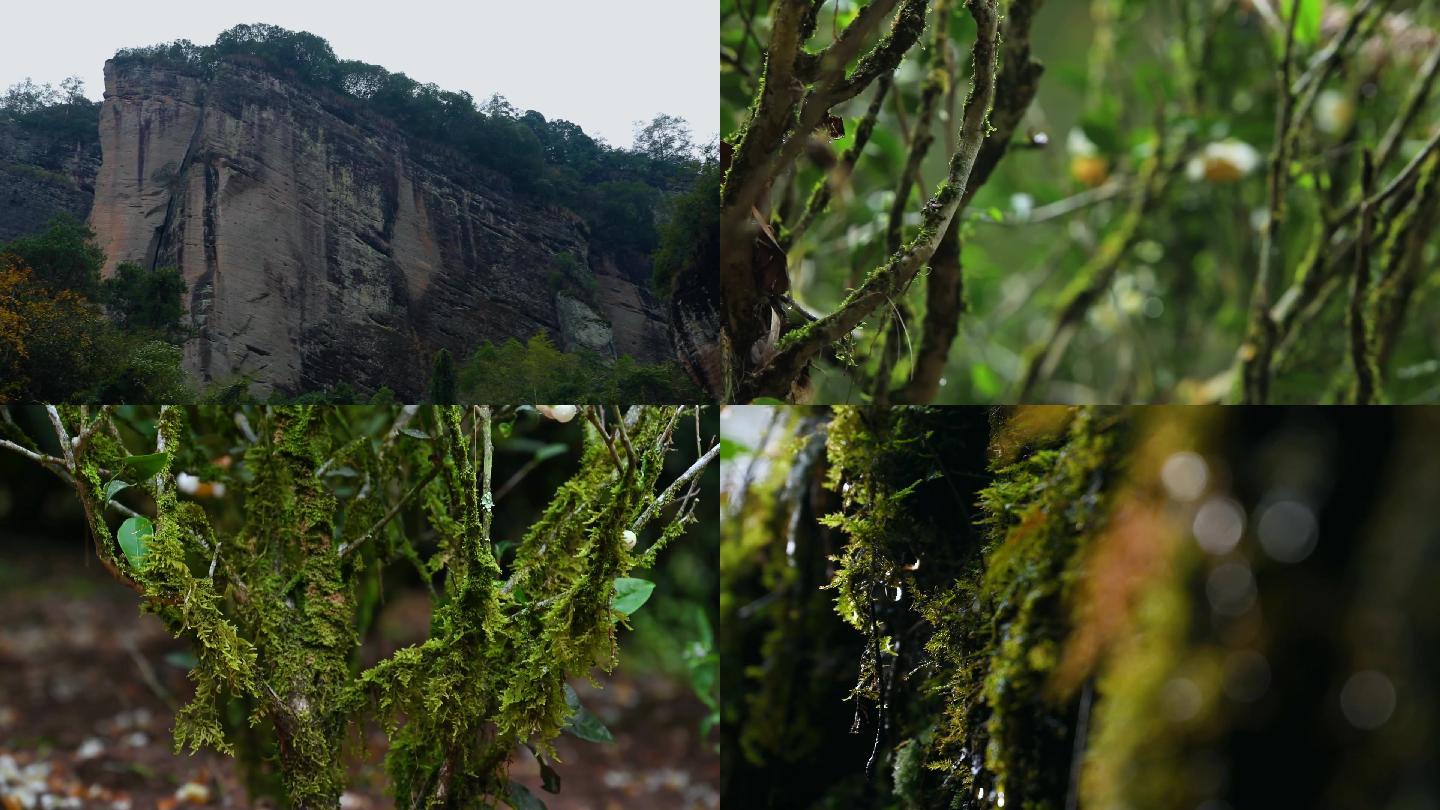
41	177
320	246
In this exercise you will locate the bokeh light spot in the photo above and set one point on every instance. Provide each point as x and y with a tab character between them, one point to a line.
1368	699
1219	524
1287	531
1185	475
1231	588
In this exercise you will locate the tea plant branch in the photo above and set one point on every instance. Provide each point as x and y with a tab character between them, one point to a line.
1015	87
487	499
1419	94
59	469
785	114
819	199
346	549
590	413
1361	357
48	461
1328	258
624	438
669	493
1260	339
800	347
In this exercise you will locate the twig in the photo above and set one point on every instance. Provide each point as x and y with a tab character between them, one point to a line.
625	438
664	498
346	548
1418	95
487	500
147	673
824	188
64	437
32	455
1260	340
609	443
1360	354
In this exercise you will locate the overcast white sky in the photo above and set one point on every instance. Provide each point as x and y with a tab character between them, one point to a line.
602	64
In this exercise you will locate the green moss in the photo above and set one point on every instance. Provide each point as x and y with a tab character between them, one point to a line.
273	609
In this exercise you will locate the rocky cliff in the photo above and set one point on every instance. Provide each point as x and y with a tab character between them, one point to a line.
321	246
42	176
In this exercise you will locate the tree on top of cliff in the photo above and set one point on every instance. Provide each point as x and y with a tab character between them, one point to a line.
62	111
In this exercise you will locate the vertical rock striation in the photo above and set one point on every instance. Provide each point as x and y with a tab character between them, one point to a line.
320	246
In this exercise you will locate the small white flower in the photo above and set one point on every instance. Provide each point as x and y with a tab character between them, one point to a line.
1223	162
187	483
1022	205
560	413
1078	143
90	749
629	539
1334	111
193	793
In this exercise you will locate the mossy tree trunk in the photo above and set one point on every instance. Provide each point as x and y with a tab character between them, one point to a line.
1059	608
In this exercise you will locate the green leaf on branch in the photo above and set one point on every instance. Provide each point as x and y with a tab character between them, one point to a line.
134	537
729	449
521	798
631	593
1307	27
550	451
582	723
145	466
549	777
415	433
113	488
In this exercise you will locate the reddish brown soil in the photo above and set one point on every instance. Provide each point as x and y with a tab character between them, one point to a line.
76	708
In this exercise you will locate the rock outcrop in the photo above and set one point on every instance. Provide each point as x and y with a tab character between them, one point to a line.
41	177
321	246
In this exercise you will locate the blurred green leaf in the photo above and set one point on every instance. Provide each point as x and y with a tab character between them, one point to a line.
522	799
551	451
729	449
985	381
631	594
582	723
114	488
1307	27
